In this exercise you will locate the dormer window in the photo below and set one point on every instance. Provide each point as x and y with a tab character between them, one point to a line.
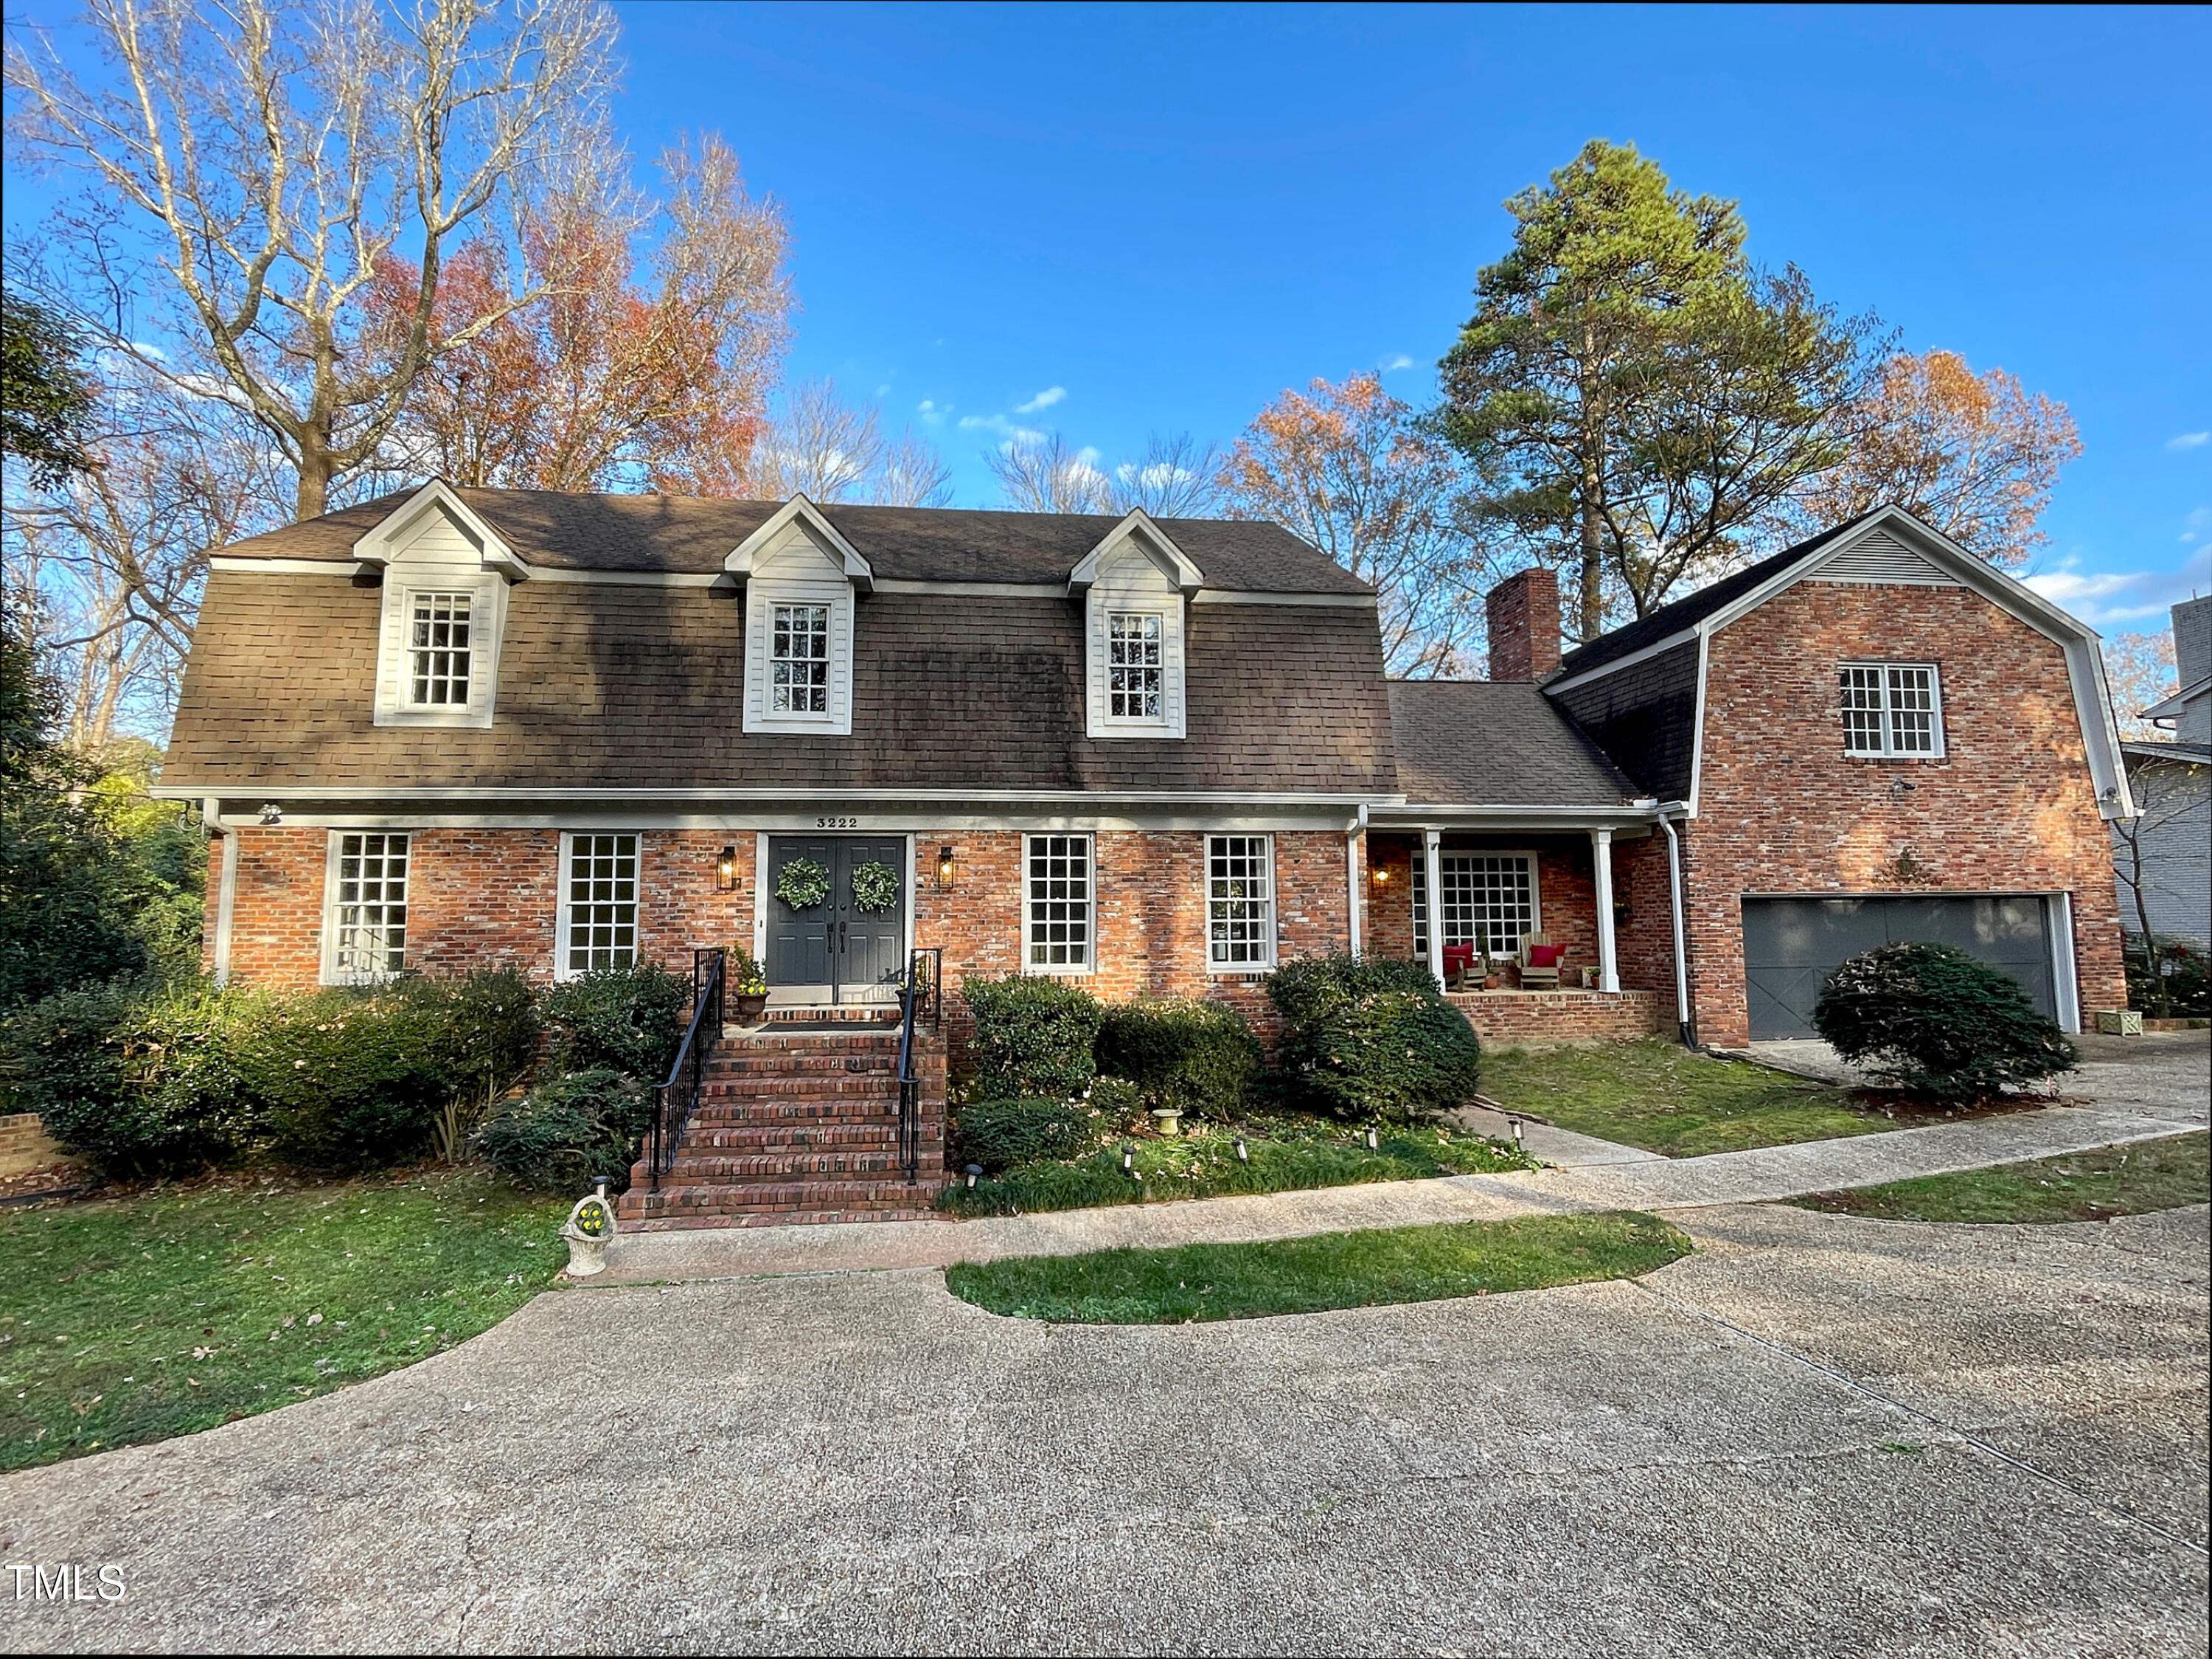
438	650
798	659
445	578
1135	586
1136	679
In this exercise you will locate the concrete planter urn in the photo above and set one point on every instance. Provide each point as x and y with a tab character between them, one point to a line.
589	1230
1168	1120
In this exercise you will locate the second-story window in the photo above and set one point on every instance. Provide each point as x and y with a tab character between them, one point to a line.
1891	708
798	661
438	650
1133	669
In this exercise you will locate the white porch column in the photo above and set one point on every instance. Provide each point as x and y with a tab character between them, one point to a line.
1608	967
1434	864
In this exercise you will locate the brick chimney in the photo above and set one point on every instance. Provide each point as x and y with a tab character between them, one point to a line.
1524	625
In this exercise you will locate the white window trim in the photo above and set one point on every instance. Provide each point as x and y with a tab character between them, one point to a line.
1138	613
394	660
1417	884
1887	751
1061	970
329	974
763	595
1274	914
561	971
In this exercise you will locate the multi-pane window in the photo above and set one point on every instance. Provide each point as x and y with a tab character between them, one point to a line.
1134	673
1240	901
798	661
601	882
438	650
1890	709
1489	901
1058	901
369	906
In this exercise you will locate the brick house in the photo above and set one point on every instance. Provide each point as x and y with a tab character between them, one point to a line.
460	728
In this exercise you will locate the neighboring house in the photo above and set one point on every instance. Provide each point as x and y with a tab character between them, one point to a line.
460	728
2163	858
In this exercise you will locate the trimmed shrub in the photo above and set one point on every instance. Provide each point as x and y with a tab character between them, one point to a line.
565	1133
1935	1020
1372	1038
1004	1134
1197	1057
352	1079
1118	1102
619	1019
1033	1037
141	1087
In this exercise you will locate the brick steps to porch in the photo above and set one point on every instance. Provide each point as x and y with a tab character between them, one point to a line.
797	1127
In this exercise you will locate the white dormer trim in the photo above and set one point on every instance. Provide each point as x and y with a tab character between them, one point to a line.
764	541
1126	576
432	544
1157	545
797	559
400	527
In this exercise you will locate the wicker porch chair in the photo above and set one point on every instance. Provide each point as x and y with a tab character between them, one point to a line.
1534	978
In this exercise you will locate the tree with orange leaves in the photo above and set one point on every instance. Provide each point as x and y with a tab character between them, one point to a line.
648	374
1348	467
1973	454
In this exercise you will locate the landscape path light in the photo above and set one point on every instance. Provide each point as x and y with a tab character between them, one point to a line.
974	1169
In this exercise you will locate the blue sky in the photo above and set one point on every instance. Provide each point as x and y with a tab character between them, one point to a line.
1158	217
1111	221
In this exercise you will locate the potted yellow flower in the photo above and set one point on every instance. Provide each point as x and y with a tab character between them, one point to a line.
747	984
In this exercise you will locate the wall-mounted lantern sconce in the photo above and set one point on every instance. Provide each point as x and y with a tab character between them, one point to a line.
945	869
726	871
1622	912
1380	875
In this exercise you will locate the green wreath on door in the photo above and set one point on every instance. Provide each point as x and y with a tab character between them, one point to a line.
802	883
875	887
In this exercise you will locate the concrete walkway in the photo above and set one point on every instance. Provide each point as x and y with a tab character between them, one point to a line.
1642	1182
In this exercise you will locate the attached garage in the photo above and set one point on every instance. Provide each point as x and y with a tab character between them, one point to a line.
1790	945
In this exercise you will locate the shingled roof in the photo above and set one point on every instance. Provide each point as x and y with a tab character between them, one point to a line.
694	534
1496	743
1669	620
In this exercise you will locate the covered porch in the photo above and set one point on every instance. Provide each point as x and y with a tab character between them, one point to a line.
1546	925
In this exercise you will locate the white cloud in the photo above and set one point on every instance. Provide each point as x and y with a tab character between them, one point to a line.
2189	440
932	412
2108	598
2193	527
1401	361
1044	399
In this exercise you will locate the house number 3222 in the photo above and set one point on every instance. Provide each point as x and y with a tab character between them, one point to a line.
836	823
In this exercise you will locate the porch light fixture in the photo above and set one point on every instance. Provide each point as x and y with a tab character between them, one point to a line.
974	1169
1380	875
945	869
726	871
271	814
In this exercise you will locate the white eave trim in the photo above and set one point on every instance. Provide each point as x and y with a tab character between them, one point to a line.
287	567
304	791
374	549
858	571
1159	546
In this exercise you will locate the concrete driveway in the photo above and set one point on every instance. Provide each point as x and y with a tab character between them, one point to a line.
1819	1435
2160	1074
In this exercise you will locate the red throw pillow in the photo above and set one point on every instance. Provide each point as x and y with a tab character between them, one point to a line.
1545	956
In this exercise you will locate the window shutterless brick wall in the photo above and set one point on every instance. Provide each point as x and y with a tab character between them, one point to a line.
2010	808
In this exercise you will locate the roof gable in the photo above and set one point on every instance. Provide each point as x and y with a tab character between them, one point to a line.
396	533
1139	533
763	542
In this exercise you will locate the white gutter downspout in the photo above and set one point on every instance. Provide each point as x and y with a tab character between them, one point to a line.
1352	839
226	900
1681	948
1433	868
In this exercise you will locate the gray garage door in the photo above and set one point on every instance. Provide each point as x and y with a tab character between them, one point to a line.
1790	945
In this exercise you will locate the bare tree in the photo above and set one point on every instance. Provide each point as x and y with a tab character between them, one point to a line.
1044	475
1176	479
832	450
117	555
257	162
2139	670
1347	467
2163	843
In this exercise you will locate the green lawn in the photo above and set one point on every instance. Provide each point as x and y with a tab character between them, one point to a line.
1311	1275
2150	1175
1284	1153
1663	1099
133	1319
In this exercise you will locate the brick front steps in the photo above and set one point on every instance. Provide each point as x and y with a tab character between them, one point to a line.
797	1127
1524	1017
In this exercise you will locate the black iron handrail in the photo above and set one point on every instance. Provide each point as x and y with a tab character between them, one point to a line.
673	1100
923	985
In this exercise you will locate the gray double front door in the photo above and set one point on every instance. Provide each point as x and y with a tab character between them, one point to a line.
833	951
